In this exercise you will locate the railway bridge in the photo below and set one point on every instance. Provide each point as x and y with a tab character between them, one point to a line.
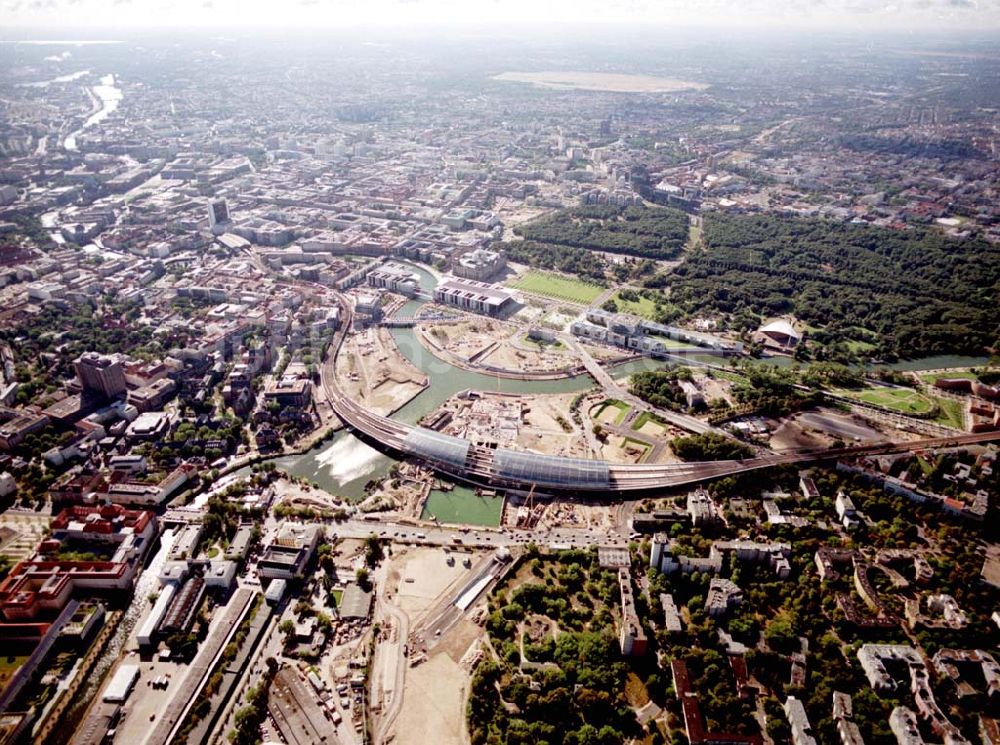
495	467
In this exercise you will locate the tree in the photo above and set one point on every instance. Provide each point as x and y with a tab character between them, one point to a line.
709	446
373	550
324	555
914	292
780	630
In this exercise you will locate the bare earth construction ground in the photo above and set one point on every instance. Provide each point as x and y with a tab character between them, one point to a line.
435	690
601	81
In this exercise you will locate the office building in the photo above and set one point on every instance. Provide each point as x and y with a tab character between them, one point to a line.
101	374
475	296
218	213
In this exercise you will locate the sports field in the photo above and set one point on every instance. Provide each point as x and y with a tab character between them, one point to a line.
557	286
900	399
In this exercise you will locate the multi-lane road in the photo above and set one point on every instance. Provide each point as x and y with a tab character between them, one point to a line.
402	532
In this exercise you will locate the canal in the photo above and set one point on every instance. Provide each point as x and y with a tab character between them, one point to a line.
115	647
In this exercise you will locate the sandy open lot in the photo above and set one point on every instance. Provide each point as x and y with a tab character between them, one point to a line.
609	414
20	533
299	495
485	342
434	703
652	429
516	354
542	431
435	690
618	450
596	516
819	428
467	338
372	370
423	575
714	388
792	435
514	212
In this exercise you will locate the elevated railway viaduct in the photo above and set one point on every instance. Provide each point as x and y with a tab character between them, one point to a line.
493	467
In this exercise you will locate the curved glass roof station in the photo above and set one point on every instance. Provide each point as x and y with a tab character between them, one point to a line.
551	470
435	446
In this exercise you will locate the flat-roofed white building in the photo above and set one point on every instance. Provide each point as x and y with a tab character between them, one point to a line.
121	684
478	297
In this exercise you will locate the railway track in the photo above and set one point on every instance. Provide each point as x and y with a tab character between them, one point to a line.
390	435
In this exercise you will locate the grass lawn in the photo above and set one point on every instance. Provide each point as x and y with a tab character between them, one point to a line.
557	286
643	307
646	416
731	376
337	595
957	375
10	665
857	347
694	236
951	414
899	399
623	409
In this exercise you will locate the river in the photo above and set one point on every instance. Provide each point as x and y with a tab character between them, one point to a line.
344	464
110	97
69	78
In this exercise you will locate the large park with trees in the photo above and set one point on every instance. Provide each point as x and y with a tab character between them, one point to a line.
862	292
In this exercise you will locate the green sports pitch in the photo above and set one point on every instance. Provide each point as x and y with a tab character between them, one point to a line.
558	287
903	400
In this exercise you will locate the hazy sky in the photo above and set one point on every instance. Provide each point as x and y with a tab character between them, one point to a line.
876	14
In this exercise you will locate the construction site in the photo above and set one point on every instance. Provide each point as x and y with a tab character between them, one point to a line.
371	371
430	614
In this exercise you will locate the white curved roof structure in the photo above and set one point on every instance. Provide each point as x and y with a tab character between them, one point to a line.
781	327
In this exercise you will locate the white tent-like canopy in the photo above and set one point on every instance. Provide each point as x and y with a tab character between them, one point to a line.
781	331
